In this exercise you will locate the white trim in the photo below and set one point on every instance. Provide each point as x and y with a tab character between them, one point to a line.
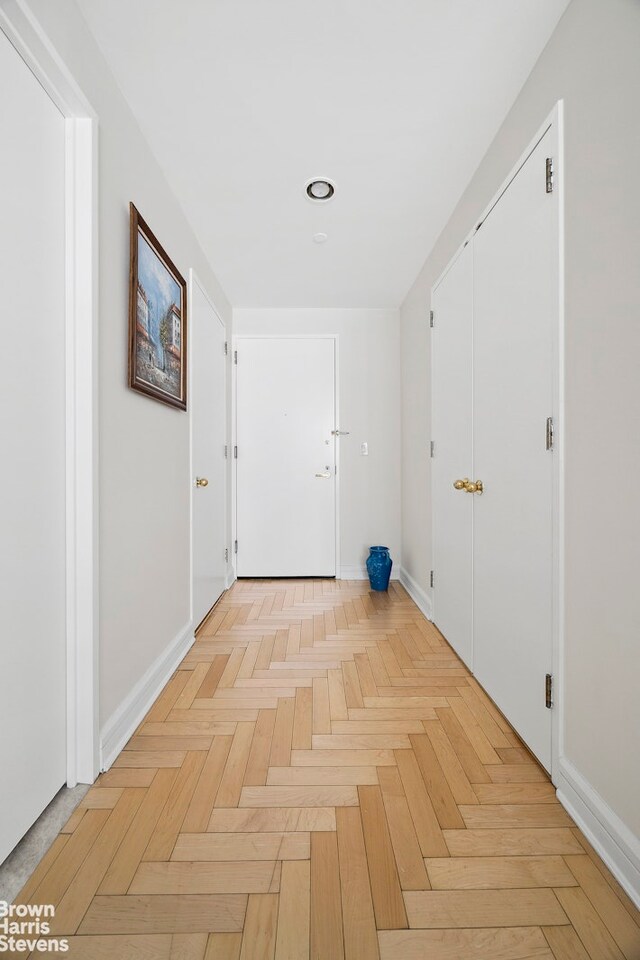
234	430
337	445
604	830
354	572
558	559
194	278
125	719
419	596
82	452
25	33
81	326
555	116
358	571
232	442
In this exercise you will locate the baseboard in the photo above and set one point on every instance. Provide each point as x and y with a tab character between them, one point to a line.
417	594
230	579
605	831
123	722
359	572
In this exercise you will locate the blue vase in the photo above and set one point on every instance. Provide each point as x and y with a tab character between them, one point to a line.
379	565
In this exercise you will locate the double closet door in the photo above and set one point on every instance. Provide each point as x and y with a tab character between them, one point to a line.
494	388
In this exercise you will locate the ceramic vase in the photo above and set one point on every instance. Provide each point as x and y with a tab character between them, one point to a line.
379	565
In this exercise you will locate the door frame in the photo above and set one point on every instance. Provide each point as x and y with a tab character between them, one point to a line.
236	340
81	384
194	279
554	119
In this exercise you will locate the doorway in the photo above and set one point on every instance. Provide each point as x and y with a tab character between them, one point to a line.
208	452
48	270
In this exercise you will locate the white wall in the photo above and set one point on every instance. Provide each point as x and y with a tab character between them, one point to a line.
144	445
592	62
369	398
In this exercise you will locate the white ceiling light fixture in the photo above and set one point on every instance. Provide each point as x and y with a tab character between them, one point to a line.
320	237
319	189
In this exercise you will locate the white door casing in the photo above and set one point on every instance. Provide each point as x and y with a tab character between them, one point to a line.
286	456
33	431
452	433
31	43
207	404
515	312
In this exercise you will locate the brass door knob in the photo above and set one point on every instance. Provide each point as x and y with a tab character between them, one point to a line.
461	484
474	486
202	482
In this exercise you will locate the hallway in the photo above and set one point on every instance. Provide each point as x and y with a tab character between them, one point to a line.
323	777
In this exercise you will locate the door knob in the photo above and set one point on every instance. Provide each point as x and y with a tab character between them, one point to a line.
474	486
461	484
202	482
323	476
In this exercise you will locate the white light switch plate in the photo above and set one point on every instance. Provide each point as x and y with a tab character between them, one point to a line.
364	449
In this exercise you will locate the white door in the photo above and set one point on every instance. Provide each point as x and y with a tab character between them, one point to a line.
208	419
515	314
32	437
285	470
452	304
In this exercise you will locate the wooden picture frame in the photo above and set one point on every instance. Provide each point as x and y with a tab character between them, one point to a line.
157	319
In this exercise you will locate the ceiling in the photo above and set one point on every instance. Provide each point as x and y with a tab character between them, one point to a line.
242	101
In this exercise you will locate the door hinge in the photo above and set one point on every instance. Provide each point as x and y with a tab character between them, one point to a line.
431	318
226	451
226	348
235	453
549	434
235	357
226	555
549	174
432	579
235	546
432	448
548	691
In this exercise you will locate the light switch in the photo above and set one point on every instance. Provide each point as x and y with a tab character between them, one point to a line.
364	449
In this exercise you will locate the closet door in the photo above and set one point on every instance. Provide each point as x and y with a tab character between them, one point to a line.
452	304
515	314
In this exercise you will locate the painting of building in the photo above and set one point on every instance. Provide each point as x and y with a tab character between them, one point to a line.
157	351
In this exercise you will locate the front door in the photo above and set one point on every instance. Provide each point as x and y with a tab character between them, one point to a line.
285	468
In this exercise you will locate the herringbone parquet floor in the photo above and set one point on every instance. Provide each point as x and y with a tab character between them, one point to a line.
323	778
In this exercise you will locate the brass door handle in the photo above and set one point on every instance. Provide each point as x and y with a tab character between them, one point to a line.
475	486
202	482
469	486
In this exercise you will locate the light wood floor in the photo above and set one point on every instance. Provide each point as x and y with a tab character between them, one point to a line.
323	778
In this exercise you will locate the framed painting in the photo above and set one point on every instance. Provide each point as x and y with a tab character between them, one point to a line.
157	319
